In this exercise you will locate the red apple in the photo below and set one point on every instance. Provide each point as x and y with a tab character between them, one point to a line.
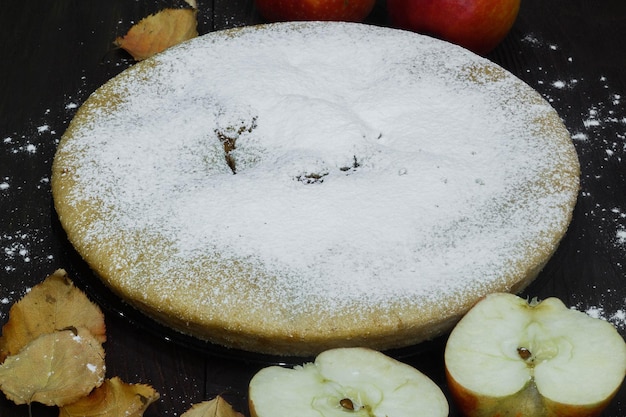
340	10
511	357
478	25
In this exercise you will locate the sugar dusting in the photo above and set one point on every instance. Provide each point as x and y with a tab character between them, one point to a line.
353	211
599	132
27	251
617	317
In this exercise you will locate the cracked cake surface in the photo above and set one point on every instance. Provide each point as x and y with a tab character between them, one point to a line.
293	187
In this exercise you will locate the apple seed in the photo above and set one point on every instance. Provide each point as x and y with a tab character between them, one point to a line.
347	404
524	353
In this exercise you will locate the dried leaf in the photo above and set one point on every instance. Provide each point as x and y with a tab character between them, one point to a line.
159	31
217	407
51	305
54	369
114	398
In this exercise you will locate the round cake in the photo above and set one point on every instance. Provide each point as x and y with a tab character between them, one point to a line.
294	187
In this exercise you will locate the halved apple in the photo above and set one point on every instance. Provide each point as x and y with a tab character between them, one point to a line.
346	381
511	357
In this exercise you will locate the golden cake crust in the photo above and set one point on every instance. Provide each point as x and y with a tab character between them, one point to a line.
174	184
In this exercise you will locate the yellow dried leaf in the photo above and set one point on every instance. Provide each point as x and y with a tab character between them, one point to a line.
157	32
51	305
54	369
217	407
114	398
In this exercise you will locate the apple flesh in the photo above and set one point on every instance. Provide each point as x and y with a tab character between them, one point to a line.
346	381
478	25
509	357
325	10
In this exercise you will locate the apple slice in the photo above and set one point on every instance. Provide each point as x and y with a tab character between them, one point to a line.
509	357
346	381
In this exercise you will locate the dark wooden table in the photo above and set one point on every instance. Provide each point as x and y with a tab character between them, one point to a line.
54	53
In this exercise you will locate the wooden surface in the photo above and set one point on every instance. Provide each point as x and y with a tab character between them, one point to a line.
54	53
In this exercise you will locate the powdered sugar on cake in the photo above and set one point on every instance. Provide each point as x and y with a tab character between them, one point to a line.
354	167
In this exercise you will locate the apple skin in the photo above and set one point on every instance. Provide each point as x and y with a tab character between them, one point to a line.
324	10
524	404
478	25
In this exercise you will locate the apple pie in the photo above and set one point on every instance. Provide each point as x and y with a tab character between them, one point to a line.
294	187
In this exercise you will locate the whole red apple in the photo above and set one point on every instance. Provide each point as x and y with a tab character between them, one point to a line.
340	10
478	25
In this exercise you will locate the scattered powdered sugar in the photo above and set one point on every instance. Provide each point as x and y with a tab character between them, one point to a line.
620	220
28	143
603	141
416	179
18	247
617	317
15	247
28	246
24	243
599	132
18	147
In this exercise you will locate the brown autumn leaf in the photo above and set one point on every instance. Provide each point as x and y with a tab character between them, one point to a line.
113	398
55	369
159	31
51	305
217	407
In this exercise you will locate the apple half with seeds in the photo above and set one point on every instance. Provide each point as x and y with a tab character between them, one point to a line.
346	382
511	357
